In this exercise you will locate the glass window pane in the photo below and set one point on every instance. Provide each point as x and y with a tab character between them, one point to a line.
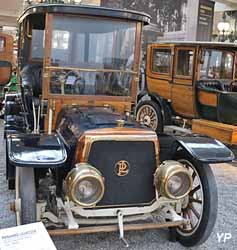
76	82
60	39
101	53
161	61
89	43
185	63
2	44
217	64
37	52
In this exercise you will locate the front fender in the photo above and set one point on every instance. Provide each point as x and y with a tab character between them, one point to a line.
205	149
36	151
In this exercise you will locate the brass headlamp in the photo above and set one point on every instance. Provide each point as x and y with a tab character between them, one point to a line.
84	185
173	180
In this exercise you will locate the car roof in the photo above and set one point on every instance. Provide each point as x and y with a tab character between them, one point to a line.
85	10
196	43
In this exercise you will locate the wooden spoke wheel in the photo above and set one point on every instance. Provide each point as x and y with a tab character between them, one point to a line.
149	114
193	209
200	207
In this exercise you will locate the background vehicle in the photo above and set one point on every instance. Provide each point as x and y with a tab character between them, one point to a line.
6	47
195	81
6	56
78	159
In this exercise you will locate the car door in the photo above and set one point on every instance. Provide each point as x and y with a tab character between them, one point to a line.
159	70
183	89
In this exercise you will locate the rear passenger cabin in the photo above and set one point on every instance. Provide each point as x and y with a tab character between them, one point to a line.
199	80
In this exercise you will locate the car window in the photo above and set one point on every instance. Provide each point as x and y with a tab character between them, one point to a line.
86	43
2	44
37	44
185	62
93	57
60	39
161	61
217	64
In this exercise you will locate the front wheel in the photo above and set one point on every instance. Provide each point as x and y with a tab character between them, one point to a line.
149	113
200	207
25	195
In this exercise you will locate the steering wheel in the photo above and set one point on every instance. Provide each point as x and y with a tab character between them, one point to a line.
76	82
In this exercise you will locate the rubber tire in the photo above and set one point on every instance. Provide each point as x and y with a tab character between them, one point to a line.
210	204
27	192
157	108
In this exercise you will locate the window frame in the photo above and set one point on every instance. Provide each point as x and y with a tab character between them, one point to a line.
171	60
48	67
35	60
190	77
155	75
234	76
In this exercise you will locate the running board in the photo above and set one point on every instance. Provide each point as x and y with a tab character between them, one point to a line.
223	132
176	129
114	228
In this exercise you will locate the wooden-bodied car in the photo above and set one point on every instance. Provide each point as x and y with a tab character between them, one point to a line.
6	60
195	81
78	158
6	47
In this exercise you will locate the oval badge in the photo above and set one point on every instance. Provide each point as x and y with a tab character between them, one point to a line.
122	168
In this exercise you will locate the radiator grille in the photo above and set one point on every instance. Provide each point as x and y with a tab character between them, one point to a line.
137	186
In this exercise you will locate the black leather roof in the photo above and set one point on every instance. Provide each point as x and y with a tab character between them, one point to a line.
85	10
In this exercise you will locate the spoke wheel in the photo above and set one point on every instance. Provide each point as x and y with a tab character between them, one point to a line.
192	210
149	114
200	207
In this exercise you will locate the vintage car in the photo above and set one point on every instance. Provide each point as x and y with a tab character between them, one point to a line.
6	58
77	158
6	47
192	80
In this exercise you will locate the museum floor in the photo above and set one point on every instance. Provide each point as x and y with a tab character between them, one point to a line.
226	176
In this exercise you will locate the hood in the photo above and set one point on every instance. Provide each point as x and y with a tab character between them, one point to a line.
72	122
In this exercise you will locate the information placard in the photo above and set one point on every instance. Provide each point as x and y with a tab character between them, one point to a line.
26	237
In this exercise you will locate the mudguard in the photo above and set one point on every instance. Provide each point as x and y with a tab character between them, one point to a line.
206	149
165	110
203	149
152	96
37	151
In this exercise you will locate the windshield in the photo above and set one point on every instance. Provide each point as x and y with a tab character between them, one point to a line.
93	43
217	64
97	56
